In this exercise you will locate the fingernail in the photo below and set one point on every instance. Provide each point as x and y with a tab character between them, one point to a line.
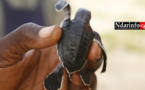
99	54
46	32
76	79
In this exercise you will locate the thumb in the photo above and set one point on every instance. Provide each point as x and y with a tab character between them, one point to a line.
26	37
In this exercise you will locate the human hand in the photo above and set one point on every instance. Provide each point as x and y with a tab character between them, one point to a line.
23	65
94	61
29	54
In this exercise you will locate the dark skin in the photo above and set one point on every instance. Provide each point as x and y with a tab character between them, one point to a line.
29	54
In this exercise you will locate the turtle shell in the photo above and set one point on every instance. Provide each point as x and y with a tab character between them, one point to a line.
73	47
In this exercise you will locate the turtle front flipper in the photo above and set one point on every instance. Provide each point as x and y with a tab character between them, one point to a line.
98	39
53	81
60	5
85	76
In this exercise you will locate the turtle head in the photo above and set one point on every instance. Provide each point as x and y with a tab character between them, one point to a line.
83	14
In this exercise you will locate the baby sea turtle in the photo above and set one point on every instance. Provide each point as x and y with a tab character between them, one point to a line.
73	46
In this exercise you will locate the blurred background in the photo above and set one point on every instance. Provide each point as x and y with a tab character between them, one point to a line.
125	48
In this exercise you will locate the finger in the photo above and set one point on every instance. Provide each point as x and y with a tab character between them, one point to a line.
93	84
32	36
94	60
65	81
77	83
21	72
104	56
26	37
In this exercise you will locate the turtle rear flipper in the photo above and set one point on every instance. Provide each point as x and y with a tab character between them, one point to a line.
85	76
98	39
53	81
70	76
